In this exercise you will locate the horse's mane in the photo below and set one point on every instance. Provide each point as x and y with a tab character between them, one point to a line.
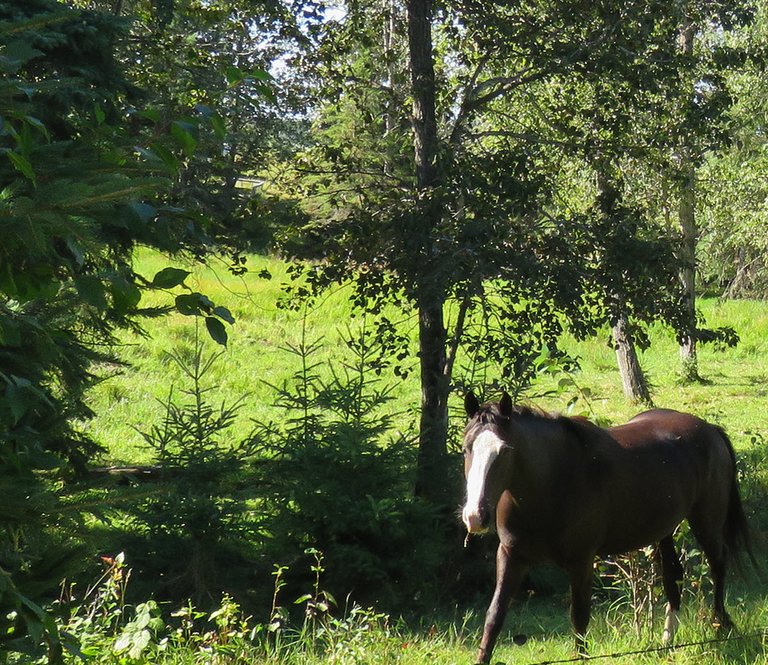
580	426
535	411
583	429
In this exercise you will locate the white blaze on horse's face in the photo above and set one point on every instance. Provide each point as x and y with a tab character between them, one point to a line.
476	513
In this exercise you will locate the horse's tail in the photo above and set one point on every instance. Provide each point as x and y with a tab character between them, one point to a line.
737	536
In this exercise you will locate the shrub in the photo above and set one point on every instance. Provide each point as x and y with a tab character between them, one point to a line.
195	524
339	480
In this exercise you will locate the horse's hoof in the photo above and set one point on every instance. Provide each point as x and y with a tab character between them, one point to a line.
520	639
723	626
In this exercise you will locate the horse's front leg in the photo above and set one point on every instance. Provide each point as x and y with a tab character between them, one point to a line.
509	574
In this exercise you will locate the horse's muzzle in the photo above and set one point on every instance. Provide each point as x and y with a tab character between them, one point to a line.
477	519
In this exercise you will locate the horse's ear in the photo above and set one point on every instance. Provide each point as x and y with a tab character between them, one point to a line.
471	405
505	405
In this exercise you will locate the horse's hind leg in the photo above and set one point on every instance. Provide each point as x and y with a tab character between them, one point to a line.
715	550
717	565
581	599
671	575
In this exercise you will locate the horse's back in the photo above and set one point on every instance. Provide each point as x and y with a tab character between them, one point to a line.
667	465
663	426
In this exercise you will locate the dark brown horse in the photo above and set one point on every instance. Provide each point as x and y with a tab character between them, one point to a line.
565	490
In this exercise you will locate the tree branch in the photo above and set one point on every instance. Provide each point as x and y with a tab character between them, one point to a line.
458	331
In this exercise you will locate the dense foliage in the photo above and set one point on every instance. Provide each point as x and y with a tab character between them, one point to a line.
502	175
76	199
508	110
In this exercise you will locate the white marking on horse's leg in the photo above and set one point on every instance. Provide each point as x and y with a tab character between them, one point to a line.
485	449
671	622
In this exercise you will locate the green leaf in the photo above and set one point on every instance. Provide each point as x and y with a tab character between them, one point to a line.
145	212
37	124
123	642
151	114
218	125
91	289
262	75
188	304
76	250
183	132
168	278
22	165
234	75
224	313
216	330
140	642
99	114
265	91
160	152
71	643
125	294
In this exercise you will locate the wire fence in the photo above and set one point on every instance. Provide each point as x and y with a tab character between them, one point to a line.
762	634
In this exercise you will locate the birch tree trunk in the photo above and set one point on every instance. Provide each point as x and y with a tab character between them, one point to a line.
689	232
633	379
632	376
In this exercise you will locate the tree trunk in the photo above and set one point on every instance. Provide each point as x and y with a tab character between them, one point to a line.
390	30
689	233
433	426
423	90
632	376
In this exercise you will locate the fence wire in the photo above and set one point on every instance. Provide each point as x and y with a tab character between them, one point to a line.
763	633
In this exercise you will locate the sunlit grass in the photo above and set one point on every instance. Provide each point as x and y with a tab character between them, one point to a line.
732	395
256	360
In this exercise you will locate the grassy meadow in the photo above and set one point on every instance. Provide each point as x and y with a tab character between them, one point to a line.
256	360
732	395
736	380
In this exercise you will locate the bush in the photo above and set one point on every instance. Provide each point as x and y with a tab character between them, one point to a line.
338	480
195	526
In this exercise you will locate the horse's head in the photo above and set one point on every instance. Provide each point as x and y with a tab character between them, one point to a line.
486	454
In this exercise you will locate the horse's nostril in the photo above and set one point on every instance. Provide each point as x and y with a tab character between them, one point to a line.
476	519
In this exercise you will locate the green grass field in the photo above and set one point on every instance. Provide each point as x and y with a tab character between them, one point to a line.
733	395
256	359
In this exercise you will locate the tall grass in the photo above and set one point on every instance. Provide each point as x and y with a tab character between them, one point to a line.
733	396
255	360
736	379
113	632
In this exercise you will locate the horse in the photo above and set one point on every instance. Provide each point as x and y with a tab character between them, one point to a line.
563	490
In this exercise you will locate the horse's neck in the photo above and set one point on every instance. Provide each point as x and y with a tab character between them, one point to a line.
544	450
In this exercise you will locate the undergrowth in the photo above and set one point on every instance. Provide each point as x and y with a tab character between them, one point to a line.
323	429
100	627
